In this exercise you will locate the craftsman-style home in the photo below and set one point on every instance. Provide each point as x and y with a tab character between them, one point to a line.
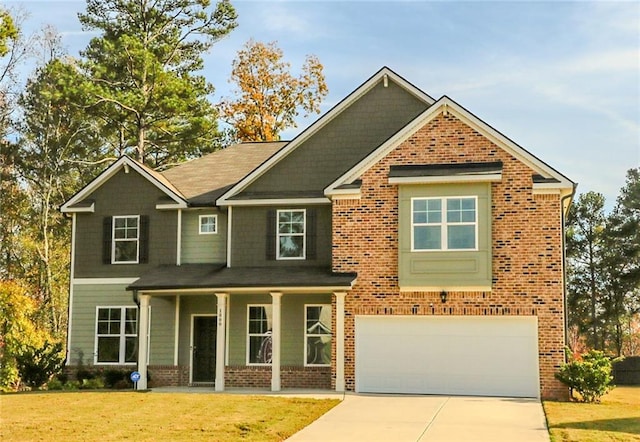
399	244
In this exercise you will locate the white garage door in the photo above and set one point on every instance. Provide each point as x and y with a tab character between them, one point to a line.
457	355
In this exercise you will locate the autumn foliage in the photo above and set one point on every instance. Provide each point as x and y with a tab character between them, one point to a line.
268	97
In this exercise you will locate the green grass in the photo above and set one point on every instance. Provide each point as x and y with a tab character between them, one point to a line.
71	416
616	418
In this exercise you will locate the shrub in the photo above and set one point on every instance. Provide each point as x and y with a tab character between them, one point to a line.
55	384
83	374
92	384
589	375
113	377
36	365
71	385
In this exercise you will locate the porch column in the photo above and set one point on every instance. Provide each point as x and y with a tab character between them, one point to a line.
143	340
221	340
276	298
340	340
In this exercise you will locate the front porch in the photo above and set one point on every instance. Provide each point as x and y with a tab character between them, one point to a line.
280	336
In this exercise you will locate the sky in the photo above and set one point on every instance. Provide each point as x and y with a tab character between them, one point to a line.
561	79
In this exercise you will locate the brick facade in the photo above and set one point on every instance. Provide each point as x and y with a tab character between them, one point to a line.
526	246
290	377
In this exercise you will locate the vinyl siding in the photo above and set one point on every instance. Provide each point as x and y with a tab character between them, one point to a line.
292	332
124	194
162	330
249	237
189	306
197	248
448	268
83	322
342	142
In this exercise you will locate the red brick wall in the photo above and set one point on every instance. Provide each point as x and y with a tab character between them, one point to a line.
168	375
526	246
290	377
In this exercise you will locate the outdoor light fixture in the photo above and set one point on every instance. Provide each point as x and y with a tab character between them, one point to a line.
443	296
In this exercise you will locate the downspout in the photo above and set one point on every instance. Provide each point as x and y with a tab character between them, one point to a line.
564	264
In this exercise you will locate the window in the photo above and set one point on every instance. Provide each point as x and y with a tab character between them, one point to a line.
444	223
291	234
125	237
116	335
317	334
259	329
208	224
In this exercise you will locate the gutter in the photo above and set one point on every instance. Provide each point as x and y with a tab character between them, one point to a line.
564	265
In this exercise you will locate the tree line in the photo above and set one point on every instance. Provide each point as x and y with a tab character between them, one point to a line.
137	89
603	271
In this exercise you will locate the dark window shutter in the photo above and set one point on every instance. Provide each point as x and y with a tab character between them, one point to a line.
312	236
271	235
106	240
144	239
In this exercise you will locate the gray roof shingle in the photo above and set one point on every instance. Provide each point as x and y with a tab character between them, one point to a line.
218	276
203	180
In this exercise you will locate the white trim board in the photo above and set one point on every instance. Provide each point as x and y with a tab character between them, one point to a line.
446	105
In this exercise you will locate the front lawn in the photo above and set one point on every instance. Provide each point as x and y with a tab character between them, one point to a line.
154	416
617	418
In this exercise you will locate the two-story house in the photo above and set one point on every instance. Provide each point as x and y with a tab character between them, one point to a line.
399	244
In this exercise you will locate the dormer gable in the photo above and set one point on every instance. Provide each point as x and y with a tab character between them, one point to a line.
82	202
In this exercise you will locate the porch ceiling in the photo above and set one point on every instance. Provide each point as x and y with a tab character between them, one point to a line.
220	277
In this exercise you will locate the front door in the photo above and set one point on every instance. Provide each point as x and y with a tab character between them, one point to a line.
203	367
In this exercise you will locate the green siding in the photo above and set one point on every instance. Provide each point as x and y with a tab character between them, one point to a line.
162	328
292	331
249	237
189	306
83	320
124	194
445	269
197	248
342	142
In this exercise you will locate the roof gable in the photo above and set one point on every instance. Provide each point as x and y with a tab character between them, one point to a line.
77	204
386	77
446	105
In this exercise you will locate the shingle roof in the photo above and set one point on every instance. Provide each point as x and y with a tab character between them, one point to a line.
204	179
218	276
417	170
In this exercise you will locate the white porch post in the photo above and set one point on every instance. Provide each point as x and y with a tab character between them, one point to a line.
143	339
221	340
340	340
276	299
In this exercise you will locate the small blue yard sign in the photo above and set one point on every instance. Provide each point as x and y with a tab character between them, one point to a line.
135	376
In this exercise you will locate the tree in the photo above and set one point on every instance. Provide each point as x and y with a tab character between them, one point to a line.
16	329
585	242
268	97
54	137
622	254
8	32
144	91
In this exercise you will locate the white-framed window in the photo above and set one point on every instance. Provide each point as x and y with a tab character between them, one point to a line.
125	246
208	224
317	334
259	334
290	234
116	335
447	223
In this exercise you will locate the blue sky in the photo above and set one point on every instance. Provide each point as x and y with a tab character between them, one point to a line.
562	79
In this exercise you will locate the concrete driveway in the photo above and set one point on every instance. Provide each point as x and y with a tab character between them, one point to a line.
364	417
